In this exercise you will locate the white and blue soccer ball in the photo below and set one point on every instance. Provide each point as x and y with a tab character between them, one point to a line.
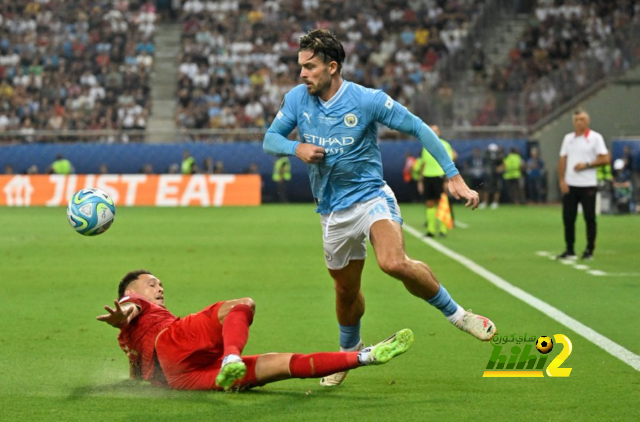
91	211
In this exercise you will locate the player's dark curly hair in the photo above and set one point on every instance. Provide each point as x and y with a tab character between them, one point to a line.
325	45
129	278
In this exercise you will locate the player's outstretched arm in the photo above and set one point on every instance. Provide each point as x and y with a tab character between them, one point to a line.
119	316
412	125
459	189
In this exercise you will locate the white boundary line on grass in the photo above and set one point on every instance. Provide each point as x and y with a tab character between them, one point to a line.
578	266
460	224
594	337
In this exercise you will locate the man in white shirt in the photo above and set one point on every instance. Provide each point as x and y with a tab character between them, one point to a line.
582	151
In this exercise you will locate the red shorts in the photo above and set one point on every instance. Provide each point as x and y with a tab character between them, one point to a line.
190	352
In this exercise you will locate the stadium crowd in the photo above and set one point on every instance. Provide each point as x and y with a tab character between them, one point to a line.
81	65
239	57
86	65
236	78
568	45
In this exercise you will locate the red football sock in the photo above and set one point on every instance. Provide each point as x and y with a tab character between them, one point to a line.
318	365
235	329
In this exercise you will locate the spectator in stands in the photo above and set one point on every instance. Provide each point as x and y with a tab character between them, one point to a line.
478	62
254	112
445	97
60	71
4	121
27	130
249	49
566	48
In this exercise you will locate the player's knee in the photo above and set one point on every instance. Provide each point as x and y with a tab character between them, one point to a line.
394	267
346	291
249	302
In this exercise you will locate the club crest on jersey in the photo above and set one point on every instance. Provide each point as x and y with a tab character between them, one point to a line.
350	120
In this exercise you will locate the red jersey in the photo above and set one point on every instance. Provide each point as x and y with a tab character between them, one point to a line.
138	338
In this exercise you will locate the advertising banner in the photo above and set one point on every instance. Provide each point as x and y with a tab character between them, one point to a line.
167	190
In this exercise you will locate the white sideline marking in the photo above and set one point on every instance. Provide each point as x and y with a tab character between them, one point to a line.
575	263
460	224
614	349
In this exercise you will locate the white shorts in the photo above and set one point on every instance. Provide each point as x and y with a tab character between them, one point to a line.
345	232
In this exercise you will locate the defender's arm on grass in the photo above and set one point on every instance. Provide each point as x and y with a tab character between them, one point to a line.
121	316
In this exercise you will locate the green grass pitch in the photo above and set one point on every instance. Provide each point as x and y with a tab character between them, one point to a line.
58	363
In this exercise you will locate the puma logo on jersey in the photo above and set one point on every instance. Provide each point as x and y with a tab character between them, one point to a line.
307	115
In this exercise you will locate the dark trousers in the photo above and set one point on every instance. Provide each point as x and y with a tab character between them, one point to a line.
586	197
515	193
281	189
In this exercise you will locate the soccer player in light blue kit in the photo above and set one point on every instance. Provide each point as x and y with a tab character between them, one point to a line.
337	121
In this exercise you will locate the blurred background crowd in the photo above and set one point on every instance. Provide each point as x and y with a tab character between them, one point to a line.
84	65
89	65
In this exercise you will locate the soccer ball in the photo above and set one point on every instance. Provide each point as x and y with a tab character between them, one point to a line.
90	211
544	344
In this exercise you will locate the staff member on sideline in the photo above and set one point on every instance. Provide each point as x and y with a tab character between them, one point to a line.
61	166
188	165
582	151
282	176
434	185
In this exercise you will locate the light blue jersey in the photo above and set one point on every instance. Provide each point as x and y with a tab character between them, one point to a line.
346	126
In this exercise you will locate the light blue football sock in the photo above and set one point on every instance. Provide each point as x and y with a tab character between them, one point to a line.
349	335
443	301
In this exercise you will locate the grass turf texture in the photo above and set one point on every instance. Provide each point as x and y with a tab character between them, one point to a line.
58	363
